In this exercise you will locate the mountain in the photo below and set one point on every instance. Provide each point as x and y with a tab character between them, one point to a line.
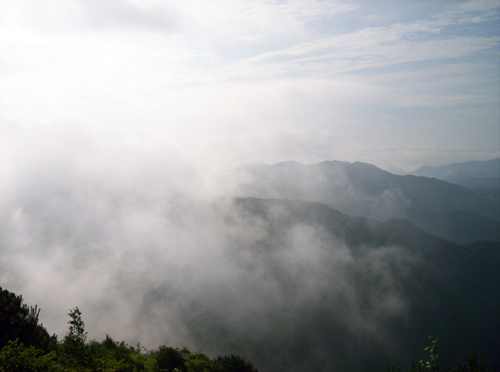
471	174
290	285
325	291
446	210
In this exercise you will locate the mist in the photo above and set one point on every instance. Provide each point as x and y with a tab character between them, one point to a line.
153	249
132	135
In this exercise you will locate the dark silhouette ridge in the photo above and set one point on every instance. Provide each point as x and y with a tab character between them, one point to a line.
449	211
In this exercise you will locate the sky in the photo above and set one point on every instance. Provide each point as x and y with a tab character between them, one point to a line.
114	116
398	84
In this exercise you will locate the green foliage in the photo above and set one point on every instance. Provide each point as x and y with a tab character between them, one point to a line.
147	361
16	357
169	359
198	362
26	346
233	363
74	342
76	333
109	344
18	321
431	365
111	364
110	355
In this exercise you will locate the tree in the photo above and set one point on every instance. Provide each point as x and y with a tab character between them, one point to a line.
198	362
20	322
76	331
74	341
169	359
14	357
233	363
109	343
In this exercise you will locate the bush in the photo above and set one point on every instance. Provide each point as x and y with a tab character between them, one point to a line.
18	321
432	364
198	362
233	363
15	357
169	359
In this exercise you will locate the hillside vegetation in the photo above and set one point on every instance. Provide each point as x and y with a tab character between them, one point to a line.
25	346
292	285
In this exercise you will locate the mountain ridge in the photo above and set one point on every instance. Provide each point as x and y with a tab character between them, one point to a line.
362	189
470	174
447	288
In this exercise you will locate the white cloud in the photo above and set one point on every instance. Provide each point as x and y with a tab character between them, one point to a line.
221	23
366	49
165	93
201	71
469	9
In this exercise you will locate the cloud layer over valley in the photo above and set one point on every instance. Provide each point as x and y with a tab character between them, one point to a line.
153	250
146	246
123	128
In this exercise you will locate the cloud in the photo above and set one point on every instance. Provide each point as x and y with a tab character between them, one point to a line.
369	48
467	12
228	23
127	14
209	73
138	237
55	16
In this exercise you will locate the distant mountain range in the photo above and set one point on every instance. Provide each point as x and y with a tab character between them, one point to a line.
471	174
324	267
444	209
351	293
